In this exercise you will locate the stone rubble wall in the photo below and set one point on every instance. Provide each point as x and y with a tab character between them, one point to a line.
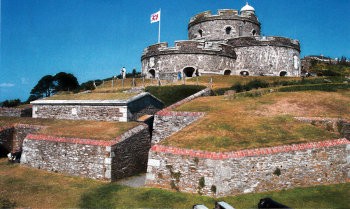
11	137
6	138
267	60
131	153
257	170
77	157
15	112
97	159
167	122
80	112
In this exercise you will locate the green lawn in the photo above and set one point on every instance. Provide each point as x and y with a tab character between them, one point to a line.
27	187
266	121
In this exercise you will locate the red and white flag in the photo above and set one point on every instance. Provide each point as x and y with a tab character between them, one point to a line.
155	17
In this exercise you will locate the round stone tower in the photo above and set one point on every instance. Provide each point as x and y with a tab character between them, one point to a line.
227	24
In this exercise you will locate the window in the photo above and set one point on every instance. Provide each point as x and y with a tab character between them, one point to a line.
228	30
200	32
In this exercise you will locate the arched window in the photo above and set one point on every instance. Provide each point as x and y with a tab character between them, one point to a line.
253	32
240	32
200	31
228	30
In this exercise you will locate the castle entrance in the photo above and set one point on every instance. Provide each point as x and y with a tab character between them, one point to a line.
244	73
283	73
152	73
188	71
227	72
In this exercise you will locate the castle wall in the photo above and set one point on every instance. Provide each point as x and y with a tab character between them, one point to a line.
202	57
259	170
266	56
97	159
213	27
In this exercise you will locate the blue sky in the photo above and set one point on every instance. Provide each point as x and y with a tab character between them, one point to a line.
93	39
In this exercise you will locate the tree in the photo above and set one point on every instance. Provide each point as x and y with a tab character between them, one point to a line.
49	85
65	82
44	88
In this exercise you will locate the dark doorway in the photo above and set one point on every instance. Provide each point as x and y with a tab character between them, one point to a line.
3	151
189	71
283	73
227	72
153	73
244	73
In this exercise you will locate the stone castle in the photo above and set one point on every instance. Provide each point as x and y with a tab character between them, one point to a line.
228	43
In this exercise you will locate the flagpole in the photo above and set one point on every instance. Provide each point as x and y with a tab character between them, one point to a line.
160	18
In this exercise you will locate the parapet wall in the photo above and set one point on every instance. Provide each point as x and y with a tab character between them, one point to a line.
257	170
189	47
109	160
264	41
189	58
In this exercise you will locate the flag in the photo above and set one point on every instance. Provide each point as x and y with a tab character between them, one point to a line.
155	17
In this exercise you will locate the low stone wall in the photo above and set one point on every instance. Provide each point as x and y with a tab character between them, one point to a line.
11	137
167	122
97	159
15	112
338	125
258	170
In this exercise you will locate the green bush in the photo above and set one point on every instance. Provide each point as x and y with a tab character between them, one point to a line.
172	94
317	87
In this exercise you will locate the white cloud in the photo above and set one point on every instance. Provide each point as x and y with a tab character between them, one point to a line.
7	84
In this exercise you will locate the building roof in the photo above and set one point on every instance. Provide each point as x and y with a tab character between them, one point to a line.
247	7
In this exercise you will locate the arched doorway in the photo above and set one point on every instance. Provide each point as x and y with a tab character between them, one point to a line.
227	72
283	73
244	73
152	73
188	71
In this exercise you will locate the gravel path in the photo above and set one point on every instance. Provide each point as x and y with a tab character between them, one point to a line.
134	181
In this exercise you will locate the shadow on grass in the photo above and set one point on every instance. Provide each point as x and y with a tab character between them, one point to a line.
116	196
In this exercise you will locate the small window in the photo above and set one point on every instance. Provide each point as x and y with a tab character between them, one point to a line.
228	30
200	32
253	32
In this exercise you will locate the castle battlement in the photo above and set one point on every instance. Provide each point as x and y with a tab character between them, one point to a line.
264	41
190	47
222	14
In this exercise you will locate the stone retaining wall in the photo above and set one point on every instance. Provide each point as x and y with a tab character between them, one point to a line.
95	159
258	170
11	137
15	112
167	122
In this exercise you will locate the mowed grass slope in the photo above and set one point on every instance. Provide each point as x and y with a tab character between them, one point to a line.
99	130
32	188
266	121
